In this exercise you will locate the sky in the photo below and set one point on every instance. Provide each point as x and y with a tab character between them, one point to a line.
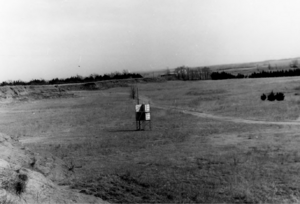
62	38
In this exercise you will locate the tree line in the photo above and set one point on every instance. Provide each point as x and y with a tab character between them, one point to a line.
279	73
74	79
261	74
225	75
186	73
205	73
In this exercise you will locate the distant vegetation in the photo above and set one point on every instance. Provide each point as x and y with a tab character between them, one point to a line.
179	73
187	73
261	74
279	73
225	75
272	96
263	97
205	73
74	79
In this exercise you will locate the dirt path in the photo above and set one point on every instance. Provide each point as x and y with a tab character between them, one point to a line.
227	118
218	117
144	99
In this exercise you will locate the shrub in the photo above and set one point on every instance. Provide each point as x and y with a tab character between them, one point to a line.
133	92
20	187
263	97
279	96
271	96
13	182
20	184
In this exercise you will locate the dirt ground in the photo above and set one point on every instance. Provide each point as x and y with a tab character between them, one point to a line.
211	141
27	176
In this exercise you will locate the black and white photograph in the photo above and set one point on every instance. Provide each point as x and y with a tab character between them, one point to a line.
149	101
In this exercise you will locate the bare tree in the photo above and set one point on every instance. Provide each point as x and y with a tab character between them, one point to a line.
180	72
206	72
185	73
168	72
294	64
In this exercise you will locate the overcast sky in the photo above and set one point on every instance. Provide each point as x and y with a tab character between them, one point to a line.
62	38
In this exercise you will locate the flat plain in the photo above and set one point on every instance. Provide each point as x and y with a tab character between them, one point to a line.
211	141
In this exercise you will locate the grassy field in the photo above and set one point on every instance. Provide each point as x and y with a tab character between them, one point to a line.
237	98
185	158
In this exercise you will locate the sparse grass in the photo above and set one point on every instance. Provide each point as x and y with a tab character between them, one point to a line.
184	159
236	98
241	178
7	201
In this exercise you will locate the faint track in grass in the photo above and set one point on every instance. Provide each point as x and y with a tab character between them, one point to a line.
145	99
219	117
227	118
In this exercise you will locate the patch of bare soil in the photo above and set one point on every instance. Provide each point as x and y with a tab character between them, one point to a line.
26	177
26	93
108	84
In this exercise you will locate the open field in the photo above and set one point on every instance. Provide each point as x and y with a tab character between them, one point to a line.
212	141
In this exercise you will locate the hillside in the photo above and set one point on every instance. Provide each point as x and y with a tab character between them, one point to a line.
26	176
25	93
211	142
243	68
34	92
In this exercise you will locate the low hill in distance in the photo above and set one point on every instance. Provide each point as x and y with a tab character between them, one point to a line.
35	92
242	68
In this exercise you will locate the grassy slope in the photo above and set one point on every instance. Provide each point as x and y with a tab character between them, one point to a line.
184	158
236	98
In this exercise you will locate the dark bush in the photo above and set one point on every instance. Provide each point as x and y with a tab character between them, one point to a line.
20	185
263	97
271	96
279	96
225	75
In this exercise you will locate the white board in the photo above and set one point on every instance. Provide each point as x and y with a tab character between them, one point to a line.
147	116
147	108
138	107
